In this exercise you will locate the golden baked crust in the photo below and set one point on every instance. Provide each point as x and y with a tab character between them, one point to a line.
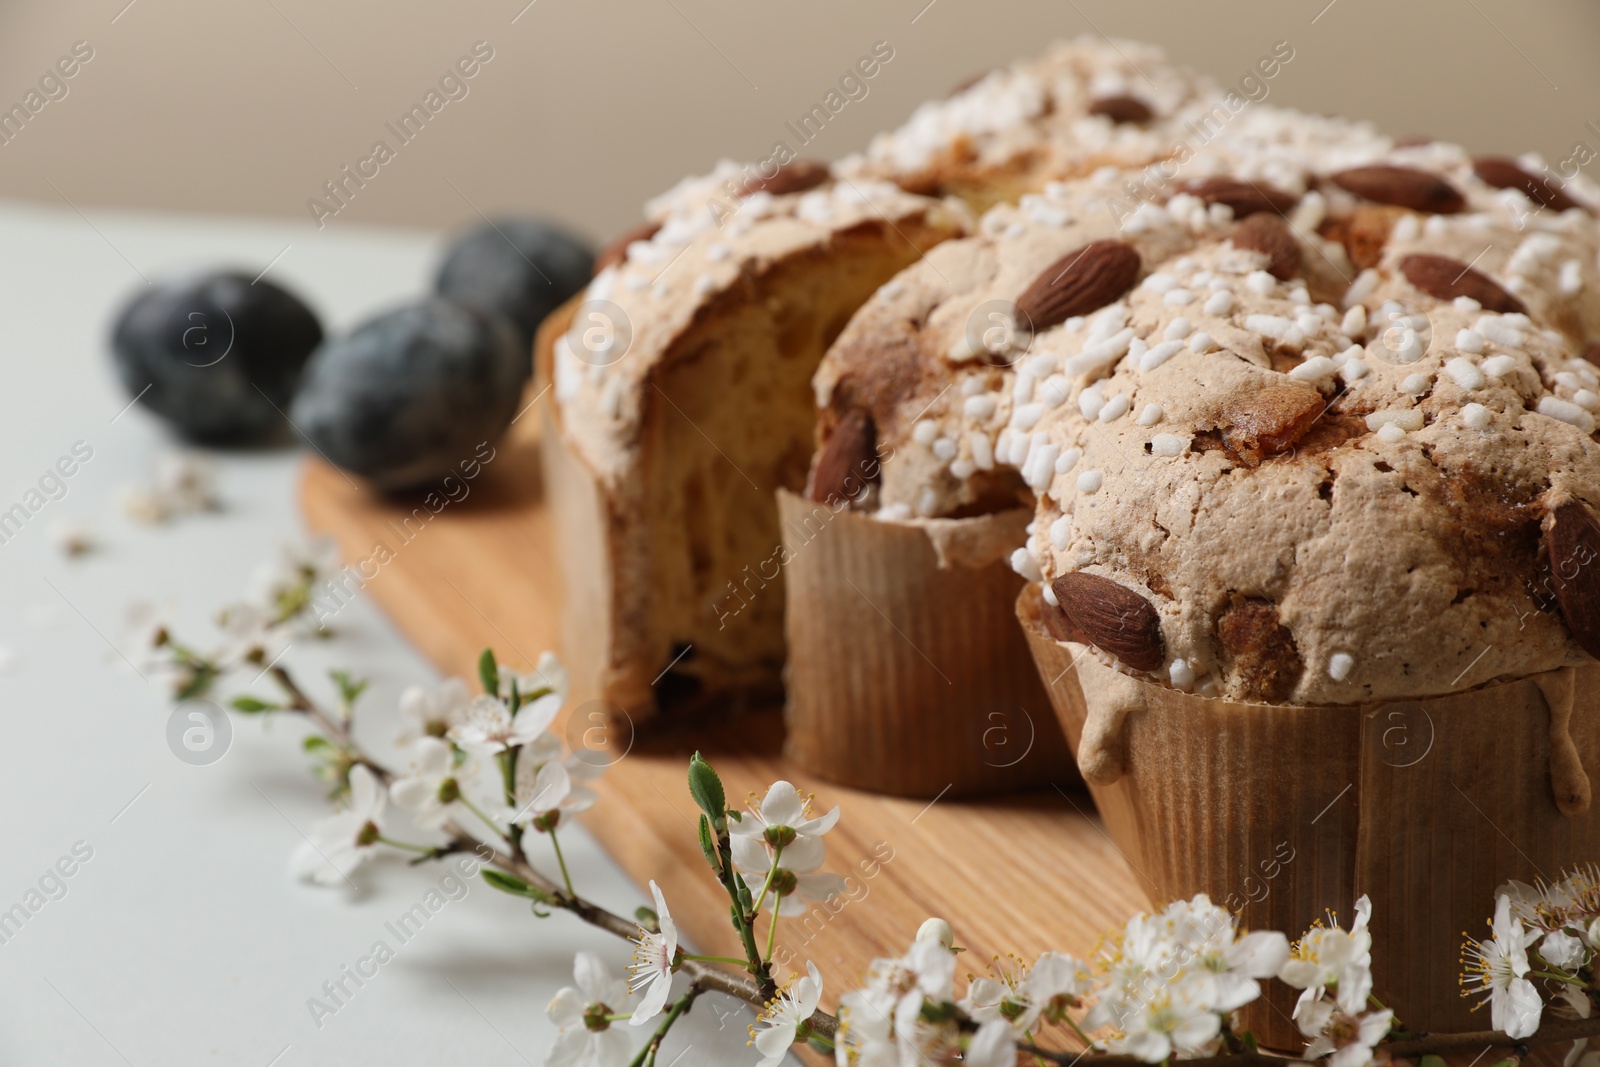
1332	488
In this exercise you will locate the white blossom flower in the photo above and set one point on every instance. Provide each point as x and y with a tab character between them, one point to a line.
924	1042
549	674
430	788
430	711
781	822
779	830
252	634
1232	963
866	1030
341	842
1533	905
586	1037
1139	960
1173	976
783	1017
994	1045
547	785
1563	950
1346	1039
1568	910
541	796
998	995
1570	904
487	726
884	1020
1170	1018
1329	955
1499	968
1055	983
926	973
654	956
1017	994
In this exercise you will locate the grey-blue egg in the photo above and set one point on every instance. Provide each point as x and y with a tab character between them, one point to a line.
406	397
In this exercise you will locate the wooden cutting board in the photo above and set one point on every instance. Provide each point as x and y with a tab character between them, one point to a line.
1019	874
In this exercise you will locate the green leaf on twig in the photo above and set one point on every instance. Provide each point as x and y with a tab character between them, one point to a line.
489	672
706	788
507	883
251	705
349	688
510	883
316	743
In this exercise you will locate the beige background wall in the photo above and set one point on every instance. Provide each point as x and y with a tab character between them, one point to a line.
588	107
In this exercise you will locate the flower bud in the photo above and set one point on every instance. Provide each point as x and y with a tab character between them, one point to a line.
449	790
937	929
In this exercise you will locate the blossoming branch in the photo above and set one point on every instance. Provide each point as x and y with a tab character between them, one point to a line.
485	774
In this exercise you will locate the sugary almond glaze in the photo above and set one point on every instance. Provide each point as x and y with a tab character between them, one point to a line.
1083	103
683	386
1320	450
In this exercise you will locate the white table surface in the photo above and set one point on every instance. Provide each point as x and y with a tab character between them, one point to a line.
183	940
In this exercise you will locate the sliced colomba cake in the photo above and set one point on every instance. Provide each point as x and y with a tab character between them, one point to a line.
683	398
682	388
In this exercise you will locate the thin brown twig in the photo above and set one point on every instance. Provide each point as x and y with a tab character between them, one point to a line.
299	701
1547	1034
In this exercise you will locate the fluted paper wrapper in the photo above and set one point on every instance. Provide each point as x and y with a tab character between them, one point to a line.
907	671
1285	813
